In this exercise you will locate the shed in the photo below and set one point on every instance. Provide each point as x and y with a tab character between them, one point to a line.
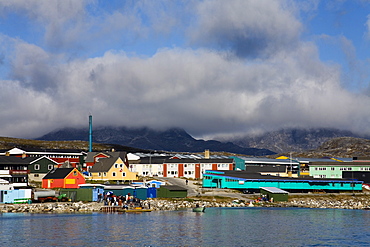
172	191
277	194
83	194
141	193
15	196
67	178
151	192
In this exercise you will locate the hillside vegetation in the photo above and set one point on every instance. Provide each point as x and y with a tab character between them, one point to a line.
8	143
345	147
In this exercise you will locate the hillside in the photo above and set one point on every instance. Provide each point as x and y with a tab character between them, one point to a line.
8	143
292	140
171	140
344	147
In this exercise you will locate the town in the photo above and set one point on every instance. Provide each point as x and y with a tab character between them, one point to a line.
35	175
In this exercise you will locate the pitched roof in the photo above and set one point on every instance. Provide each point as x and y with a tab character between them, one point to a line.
91	155
103	165
43	157
13	160
44	150
153	160
58	173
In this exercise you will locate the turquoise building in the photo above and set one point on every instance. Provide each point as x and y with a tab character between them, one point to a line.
252	182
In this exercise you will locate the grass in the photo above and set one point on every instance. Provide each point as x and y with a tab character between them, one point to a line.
9	142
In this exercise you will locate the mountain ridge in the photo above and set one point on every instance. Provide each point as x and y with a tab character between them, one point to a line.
293	139
172	140
344	146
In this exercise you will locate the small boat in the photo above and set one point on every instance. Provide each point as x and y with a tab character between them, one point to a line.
135	210
199	209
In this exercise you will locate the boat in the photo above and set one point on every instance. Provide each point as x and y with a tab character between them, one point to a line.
134	210
199	209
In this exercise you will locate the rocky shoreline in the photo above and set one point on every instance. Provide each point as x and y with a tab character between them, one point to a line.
328	201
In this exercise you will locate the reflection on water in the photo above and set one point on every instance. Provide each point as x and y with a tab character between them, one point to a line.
215	227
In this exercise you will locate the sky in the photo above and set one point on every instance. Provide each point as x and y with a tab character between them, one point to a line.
216	68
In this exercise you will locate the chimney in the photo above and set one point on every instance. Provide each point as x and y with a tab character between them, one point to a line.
7	154
24	155
90	133
206	154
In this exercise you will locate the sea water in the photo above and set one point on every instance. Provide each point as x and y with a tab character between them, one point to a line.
215	227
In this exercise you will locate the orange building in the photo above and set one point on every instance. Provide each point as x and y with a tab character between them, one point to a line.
67	178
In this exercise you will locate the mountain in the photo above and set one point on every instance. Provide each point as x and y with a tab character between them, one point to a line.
292	140
345	147
175	140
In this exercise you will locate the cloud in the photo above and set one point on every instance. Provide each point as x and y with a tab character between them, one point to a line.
367	25
59	21
247	28
86	27
275	80
200	90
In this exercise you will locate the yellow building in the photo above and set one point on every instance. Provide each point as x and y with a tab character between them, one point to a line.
113	168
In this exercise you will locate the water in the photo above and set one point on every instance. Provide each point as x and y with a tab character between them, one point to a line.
215	227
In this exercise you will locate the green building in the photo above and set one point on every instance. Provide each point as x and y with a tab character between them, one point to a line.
39	167
275	194
335	169
171	191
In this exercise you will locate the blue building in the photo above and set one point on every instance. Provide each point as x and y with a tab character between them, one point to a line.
252	182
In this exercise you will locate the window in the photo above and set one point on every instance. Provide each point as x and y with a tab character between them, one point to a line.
333	168
50	167
74	173
104	174
37	167
115	165
113	174
36	175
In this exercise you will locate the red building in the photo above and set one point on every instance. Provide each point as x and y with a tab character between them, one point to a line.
194	168
68	178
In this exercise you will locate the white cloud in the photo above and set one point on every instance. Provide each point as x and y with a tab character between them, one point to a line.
199	90
367	25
